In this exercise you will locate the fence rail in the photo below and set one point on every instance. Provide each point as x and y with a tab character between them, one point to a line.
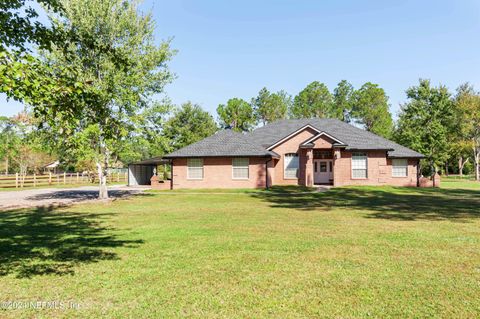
21	181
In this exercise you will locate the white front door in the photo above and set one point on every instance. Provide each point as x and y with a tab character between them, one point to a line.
322	171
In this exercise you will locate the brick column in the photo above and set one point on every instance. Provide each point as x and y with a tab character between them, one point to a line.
309	168
336	176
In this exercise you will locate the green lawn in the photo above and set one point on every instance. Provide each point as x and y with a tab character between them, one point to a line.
286	253
457	182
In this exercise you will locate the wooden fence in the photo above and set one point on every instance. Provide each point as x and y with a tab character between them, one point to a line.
20	181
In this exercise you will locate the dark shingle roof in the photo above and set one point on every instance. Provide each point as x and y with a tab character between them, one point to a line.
223	143
230	143
354	137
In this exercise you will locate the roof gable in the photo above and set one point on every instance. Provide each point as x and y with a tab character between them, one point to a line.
289	136
316	137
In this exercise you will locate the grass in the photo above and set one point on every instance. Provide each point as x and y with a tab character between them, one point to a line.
465	182
356	252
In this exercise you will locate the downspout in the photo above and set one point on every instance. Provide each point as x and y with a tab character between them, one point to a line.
266	173
171	174
418	173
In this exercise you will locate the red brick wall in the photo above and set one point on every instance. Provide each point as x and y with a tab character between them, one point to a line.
292	146
217	173
162	185
323	142
218	170
379	171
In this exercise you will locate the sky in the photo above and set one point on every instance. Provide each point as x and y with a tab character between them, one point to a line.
234	48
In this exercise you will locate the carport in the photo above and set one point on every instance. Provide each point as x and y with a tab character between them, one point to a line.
139	173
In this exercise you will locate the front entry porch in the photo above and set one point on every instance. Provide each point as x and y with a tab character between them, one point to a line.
318	167
323	171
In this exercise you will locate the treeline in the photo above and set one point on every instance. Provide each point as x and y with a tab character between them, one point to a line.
442	125
366	106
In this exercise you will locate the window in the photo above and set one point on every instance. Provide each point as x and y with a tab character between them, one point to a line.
195	168
399	168
359	165
319	154
290	166
323	167
240	168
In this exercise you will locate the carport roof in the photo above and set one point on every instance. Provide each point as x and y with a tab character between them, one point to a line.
152	161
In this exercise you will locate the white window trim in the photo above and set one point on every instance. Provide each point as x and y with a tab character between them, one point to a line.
366	166
248	169
188	170
285	168
403	166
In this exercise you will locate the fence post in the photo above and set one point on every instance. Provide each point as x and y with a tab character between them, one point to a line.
78	178
49	178
64	178
16	180
34	180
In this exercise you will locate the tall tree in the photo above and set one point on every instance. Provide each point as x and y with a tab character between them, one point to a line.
269	107
123	79
343	100
424	122
468	107
461	152
371	110
237	114
23	77
9	141
189	124
314	101
23	147
19	25
149	139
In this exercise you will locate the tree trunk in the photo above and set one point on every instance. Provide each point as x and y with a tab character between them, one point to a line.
102	182
477	165
461	165
6	165
476	159
434	172
103	170
446	168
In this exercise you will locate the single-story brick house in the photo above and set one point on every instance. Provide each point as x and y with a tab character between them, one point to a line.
303	152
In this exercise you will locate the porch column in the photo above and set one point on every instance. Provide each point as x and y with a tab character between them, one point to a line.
309	167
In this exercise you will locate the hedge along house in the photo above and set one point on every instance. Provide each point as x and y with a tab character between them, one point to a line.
303	152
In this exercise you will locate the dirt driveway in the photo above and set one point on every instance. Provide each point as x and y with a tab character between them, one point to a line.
59	196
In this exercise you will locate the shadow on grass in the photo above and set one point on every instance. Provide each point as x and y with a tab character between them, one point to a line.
44	241
396	203
82	194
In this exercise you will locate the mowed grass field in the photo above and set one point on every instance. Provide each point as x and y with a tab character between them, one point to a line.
362	252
